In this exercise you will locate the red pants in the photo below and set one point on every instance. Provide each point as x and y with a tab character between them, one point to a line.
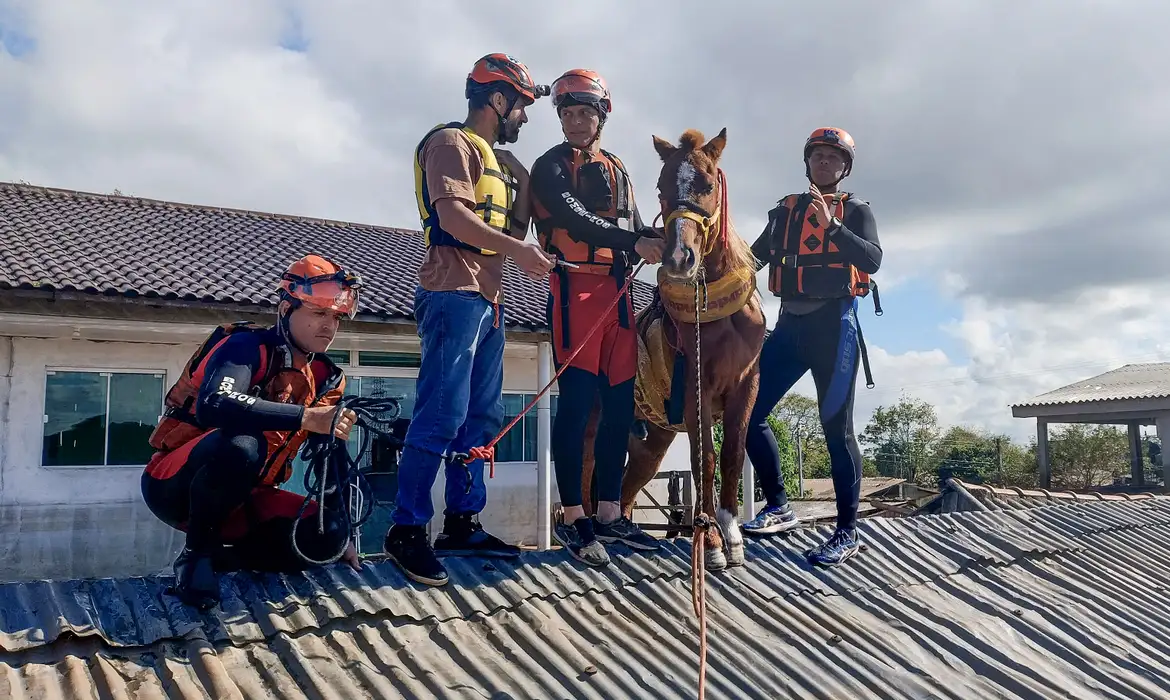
209	489
612	350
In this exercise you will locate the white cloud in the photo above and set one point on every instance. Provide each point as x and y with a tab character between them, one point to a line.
990	153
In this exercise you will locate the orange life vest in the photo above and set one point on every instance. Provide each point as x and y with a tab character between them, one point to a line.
602	185
805	263
315	383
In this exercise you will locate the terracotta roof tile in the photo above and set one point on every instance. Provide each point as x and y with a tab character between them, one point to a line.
115	245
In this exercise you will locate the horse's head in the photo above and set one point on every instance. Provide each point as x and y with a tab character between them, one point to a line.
690	194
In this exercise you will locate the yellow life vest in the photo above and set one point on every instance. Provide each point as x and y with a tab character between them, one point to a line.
493	193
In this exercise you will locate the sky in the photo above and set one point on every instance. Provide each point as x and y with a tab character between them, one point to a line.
1016	155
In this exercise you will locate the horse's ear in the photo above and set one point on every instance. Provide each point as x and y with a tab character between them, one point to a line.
665	148
714	148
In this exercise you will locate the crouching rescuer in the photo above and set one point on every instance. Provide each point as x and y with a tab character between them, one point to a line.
242	408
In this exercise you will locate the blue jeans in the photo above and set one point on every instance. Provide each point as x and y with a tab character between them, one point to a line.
459	403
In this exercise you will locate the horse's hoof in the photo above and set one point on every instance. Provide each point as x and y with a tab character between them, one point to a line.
714	560
735	555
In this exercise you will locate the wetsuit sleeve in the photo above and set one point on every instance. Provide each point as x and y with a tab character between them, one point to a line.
223	397
857	239
552	186
762	248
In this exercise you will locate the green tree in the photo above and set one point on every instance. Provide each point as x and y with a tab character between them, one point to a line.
900	439
1083	456
787	457
804	416
967	454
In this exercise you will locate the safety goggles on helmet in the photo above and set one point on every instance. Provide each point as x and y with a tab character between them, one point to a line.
579	86
337	291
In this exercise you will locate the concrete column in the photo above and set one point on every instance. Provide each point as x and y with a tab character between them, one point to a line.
1162	423
1137	472
1042	453
544	372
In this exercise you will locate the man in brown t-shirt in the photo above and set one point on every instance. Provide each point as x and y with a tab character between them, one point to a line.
471	221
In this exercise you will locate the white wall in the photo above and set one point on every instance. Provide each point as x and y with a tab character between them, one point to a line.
62	522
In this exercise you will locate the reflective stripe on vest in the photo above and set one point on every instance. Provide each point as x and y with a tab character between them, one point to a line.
558	242
806	264
493	193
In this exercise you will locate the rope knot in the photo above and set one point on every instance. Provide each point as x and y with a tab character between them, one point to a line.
487	454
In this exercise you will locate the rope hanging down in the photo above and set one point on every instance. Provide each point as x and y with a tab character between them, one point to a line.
702	522
332	476
488	451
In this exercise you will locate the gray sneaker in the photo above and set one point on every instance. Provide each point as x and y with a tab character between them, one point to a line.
772	520
627	532
591	552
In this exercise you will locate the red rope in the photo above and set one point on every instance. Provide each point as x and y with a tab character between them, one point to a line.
488	451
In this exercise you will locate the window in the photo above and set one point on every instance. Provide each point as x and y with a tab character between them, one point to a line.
519	445
371	358
339	357
100	418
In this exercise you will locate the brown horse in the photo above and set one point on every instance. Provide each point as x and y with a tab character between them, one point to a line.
706	268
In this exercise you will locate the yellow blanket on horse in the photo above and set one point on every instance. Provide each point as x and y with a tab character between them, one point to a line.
656	351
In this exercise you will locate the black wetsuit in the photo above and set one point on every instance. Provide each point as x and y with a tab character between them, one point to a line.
208	487
553	187
821	336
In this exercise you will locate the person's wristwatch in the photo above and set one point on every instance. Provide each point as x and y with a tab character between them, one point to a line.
834	226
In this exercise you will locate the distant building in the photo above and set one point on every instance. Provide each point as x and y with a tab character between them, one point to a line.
1134	396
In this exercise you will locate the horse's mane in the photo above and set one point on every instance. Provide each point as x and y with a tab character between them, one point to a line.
739	252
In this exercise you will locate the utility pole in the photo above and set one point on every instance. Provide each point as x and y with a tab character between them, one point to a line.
999	459
800	463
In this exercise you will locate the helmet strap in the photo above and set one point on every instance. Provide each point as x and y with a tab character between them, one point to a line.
284	328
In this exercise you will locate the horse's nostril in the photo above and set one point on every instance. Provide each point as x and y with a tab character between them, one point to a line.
690	256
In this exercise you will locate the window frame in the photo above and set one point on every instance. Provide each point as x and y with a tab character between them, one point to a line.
106	372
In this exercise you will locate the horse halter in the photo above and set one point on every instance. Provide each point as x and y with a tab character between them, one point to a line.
709	232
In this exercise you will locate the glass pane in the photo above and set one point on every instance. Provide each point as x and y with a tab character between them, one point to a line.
340	357
511	447
529	423
371	358
135	404
75	419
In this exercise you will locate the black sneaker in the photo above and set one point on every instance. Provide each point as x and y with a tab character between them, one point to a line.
408	547
195	581
627	532
464	537
581	543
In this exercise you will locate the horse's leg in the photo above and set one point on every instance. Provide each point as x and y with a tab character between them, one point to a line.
587	459
736	414
644	461
703	472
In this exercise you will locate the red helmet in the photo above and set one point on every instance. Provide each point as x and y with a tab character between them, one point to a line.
497	68
318	282
831	136
581	86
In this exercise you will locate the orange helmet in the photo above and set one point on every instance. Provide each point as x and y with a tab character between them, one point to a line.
831	136
581	86
318	282
496	68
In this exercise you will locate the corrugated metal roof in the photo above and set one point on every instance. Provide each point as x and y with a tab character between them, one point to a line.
1056	601
996	498
1138	381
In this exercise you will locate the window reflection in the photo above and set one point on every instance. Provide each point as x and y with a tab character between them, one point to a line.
100	418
